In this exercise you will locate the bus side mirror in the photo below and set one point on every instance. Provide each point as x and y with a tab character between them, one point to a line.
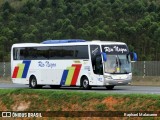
133	56
104	56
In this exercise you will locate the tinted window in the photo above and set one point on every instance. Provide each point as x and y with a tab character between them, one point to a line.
53	52
81	52
68	52
23	53
16	53
30	53
42	53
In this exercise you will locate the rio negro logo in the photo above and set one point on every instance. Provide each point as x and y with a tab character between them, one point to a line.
115	49
46	64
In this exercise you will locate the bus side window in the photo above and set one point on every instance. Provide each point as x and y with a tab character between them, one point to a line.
81	52
16	53
22	54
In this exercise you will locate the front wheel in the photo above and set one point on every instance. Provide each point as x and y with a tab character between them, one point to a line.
85	83
110	87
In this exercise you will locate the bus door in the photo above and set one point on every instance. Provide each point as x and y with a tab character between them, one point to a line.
97	64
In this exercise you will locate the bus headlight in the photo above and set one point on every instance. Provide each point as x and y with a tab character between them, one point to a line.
108	77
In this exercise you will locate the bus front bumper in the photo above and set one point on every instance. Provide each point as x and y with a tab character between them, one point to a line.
117	82
118	79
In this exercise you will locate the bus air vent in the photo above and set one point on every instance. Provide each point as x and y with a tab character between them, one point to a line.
62	41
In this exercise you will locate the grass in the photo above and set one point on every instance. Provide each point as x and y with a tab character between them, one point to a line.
51	100
100	107
7	101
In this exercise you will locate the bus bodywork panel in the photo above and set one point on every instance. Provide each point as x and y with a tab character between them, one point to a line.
54	72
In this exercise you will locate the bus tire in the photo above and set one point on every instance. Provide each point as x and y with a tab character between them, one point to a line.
85	83
33	82
55	86
110	87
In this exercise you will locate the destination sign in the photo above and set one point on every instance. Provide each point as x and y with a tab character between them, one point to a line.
115	49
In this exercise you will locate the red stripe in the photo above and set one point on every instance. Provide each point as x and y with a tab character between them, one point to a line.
76	73
15	72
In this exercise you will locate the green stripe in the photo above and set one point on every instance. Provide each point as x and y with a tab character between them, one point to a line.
20	71
70	75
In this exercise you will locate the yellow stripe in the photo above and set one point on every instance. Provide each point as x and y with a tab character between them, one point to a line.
70	75
20	71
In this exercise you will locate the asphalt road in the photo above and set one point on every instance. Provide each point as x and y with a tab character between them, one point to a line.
117	89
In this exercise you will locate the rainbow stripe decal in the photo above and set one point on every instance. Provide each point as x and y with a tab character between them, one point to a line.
70	75
21	70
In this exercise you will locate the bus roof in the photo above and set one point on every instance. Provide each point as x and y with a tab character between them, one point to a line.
68	42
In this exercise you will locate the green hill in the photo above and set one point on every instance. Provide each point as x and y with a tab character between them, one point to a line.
136	22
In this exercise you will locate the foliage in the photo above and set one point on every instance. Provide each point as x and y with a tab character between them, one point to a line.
134	22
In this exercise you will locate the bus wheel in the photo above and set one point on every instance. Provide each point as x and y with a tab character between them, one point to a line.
33	82
55	86
110	87
85	83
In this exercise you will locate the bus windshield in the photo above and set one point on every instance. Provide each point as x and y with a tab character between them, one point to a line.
119	64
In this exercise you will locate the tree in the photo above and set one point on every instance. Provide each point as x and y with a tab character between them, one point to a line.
81	33
70	31
28	37
112	36
7	6
7	32
43	4
135	22
101	34
57	35
5	45
59	24
152	7
54	3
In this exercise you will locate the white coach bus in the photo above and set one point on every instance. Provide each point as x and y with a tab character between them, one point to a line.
71	63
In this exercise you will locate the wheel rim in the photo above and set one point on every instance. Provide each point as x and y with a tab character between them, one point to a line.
85	83
33	82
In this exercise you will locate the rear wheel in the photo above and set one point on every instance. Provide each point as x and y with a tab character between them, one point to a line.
33	83
85	83
110	87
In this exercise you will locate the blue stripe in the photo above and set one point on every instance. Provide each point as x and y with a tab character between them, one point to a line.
64	76
26	67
